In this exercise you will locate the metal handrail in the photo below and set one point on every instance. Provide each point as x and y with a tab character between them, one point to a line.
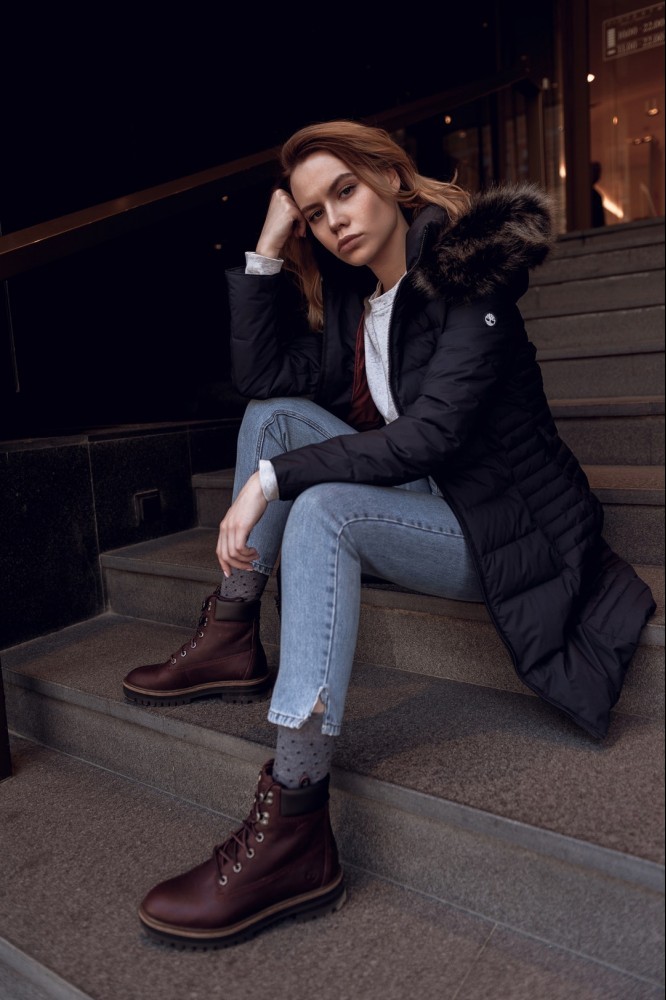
47	241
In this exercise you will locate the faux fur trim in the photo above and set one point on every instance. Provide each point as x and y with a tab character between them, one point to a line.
507	229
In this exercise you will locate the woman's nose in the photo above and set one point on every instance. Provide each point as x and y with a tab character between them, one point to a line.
335	221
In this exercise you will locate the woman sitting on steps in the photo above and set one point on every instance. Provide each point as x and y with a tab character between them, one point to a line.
398	427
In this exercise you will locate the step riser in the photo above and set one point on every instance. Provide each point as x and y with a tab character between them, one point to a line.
635	532
450	861
602	376
618	329
623	291
450	648
579	267
620	237
615	440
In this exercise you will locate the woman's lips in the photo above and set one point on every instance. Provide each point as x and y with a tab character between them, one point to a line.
348	242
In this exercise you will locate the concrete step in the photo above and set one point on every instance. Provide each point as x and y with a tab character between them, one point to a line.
627	430
633	498
584	371
623	236
624	430
84	935
562	265
635	290
166	580
619	330
518	816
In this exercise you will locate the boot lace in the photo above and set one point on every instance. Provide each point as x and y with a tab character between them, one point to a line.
206	606
238	843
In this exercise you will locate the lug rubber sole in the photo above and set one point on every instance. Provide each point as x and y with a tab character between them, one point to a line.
307	907
236	692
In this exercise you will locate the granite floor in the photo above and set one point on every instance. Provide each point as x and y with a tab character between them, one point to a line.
80	845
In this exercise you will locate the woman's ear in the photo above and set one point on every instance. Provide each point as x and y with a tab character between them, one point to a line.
393	178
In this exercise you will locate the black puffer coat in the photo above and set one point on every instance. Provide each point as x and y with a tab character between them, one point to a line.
473	415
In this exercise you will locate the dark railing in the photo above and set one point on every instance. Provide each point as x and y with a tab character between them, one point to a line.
50	241
27	248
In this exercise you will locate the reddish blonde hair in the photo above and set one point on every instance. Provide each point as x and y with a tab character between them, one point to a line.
370	153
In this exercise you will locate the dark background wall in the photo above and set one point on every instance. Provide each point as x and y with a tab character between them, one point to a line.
95	107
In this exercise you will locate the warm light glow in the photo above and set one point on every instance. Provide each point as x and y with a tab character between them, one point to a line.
615	120
652	112
591	77
563	171
611	207
225	197
447	119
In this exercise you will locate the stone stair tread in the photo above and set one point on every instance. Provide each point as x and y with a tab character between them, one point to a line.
591	293
627	483
623	235
85	931
584	348
609	406
561	266
496	752
613	483
192	552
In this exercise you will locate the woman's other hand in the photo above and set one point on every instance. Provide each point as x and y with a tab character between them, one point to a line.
246	510
283	220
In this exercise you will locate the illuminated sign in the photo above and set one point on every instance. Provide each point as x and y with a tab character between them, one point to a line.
633	32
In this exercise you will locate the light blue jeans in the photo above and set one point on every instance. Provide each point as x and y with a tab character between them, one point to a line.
328	537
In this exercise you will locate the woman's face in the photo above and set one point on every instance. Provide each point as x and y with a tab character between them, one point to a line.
346	216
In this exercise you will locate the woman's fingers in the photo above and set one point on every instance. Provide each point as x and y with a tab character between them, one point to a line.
283	219
248	508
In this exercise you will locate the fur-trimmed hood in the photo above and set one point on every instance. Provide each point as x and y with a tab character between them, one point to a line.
506	231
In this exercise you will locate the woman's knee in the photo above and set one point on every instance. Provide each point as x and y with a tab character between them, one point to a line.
258	411
317	509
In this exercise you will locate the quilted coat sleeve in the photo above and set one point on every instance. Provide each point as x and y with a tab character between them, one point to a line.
463	375
273	352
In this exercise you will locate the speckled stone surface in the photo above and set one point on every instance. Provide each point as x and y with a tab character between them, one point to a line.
81	846
125	466
47	532
505	753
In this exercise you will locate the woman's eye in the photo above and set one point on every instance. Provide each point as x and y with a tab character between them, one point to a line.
347	190
314	216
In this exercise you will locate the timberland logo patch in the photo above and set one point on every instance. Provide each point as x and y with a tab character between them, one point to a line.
490	319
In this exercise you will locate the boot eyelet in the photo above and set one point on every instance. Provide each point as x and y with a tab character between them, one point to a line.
269	797
222	880
173	659
183	652
200	634
259	837
249	853
237	867
193	644
261	796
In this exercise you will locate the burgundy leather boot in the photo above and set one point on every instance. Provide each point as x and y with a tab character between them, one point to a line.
282	862
224	657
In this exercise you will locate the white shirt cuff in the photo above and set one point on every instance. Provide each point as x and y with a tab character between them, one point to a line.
268	480
256	264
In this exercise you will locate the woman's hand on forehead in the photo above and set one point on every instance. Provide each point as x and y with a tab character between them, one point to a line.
283	220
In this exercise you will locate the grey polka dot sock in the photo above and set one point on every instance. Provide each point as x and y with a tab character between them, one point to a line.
302	754
242	585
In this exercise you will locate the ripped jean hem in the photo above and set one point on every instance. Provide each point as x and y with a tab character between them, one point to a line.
295	722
